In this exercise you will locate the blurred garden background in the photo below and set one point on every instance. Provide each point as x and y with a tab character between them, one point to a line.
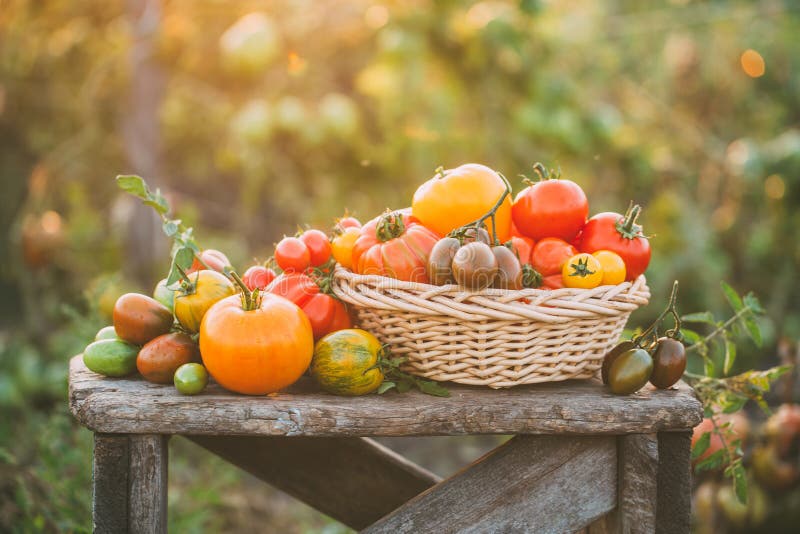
255	117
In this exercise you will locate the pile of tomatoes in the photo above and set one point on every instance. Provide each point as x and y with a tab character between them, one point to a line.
258	333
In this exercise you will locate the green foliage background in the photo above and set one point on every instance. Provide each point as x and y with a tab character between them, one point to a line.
351	104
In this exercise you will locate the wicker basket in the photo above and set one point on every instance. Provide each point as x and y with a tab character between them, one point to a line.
496	338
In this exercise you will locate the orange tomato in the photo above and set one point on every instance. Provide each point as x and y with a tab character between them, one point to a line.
394	245
459	196
613	267
257	351
548	257
342	246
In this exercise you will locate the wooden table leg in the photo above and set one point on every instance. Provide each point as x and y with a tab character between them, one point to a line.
130	483
673	512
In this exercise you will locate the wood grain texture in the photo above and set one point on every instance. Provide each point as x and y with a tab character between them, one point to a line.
673	512
354	480
148	466
537	484
638	468
134	406
110	484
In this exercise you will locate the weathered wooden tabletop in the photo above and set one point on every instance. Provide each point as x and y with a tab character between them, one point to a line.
132	405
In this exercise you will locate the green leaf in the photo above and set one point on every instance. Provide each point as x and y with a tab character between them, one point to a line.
733	297
739	482
183	258
404	385
699	317
701	445
385	386
712	462
134	185
752	302
708	366
731	403
730	355
171	227
432	388
690	336
753	330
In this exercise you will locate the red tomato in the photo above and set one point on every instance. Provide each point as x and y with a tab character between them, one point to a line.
515	231
258	276
395	245
347	222
215	259
325	313
319	248
291	254
548	257
620	234
550	208
522	247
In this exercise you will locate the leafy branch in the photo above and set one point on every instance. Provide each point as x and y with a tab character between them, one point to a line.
395	378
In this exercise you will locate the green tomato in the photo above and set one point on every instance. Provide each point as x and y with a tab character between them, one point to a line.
107	332
630	371
191	378
111	357
163	295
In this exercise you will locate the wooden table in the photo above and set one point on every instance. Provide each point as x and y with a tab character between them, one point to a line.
581	458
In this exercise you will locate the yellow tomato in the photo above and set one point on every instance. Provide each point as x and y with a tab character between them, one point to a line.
342	246
582	271
458	196
613	267
209	287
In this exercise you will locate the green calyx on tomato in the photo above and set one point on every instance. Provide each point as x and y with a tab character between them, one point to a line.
581	268
530	276
627	226
390	226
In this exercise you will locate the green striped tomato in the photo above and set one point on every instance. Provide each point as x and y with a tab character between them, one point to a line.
344	362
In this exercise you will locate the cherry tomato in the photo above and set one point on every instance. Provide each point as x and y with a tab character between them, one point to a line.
292	255
139	318
522	248
319	248
619	234
550	208
160	357
258	276
440	261
630	371
474	266
215	259
669	363
613	267
582	271
509	269
613	354
342	246
548	257
346	222
190	378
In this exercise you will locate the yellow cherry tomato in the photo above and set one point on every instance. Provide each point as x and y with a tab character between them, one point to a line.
455	197
342	246
582	271
613	267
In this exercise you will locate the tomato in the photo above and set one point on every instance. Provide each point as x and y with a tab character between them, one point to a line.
256	351
440	261
292	255
550	208
613	354
215	260
111	357
455	197
107	332
190	378
669	363
139	318
258	276
345	362
319	248
207	288
342	246
548	257
613	267
582	271
522	248
619	234
509	270
160	357
325	313
630	372
474	266
346	222
394	245
514	230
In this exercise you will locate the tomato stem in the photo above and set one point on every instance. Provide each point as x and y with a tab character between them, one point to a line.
627	226
251	300
390	226
479	223
652	330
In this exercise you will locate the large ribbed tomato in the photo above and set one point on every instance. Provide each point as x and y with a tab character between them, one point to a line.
620	234
396	245
256	351
455	197
326	313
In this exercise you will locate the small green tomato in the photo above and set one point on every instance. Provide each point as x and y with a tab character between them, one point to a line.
191	378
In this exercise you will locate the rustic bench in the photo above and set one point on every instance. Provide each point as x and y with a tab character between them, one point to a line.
581	459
